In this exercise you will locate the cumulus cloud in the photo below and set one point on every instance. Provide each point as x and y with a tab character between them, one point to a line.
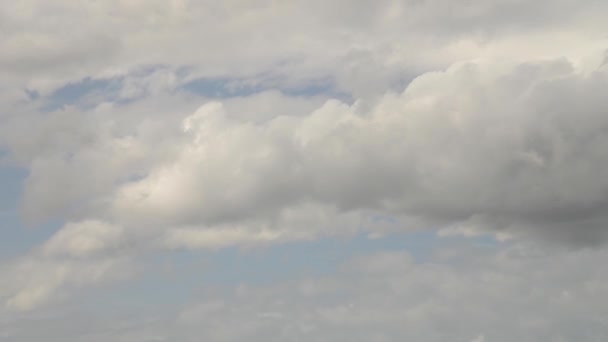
509	149
499	147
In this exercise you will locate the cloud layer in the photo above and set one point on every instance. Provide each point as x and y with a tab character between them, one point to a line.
143	129
364	46
463	293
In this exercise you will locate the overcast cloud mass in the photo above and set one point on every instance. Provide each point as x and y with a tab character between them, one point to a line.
413	170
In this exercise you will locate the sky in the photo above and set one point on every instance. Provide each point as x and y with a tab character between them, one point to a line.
388	170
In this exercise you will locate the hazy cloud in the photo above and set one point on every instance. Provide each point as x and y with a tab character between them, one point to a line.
464	293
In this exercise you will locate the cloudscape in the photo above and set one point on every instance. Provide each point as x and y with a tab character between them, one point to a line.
389	170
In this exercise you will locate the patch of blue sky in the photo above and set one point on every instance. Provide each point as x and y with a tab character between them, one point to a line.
6	159
11	182
175	278
88	92
227	88
83	93
218	88
315	89
32	94
17	238
308	258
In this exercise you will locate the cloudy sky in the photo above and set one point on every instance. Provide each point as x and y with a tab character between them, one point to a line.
286	170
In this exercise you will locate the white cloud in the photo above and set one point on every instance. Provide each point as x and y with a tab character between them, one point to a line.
510	147
80	254
502	147
83	239
36	280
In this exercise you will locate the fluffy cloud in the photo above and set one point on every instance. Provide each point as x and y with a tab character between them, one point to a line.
506	148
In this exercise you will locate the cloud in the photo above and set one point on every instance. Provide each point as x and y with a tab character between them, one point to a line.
364	47
506	147
511	142
517	292
79	255
462	293
83	239
34	280
515	150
